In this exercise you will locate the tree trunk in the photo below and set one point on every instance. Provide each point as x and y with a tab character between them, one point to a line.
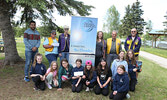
11	54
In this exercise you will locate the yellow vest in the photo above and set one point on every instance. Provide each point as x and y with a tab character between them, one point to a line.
50	43
109	44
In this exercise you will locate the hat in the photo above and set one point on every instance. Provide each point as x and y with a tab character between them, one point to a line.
53	32
65	26
88	62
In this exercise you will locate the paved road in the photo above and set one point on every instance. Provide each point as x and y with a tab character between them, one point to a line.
156	59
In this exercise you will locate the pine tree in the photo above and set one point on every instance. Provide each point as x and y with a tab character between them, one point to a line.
133	19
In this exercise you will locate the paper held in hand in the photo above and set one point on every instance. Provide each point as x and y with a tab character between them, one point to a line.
55	44
79	73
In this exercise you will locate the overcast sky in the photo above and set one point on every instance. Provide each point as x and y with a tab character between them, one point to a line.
154	10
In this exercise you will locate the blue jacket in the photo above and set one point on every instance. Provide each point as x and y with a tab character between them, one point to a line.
132	74
63	43
115	64
31	39
121	83
94	77
38	69
135	45
76	69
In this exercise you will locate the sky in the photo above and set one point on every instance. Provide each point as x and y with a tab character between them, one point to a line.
154	10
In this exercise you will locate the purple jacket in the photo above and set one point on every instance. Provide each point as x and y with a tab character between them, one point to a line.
62	43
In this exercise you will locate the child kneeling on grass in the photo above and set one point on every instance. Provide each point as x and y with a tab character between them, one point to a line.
50	75
103	78
120	84
77	74
37	72
89	78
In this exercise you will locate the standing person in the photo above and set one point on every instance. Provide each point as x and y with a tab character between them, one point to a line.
89	78
113	48
37	72
64	44
51	74
132	69
32	43
51	47
120	84
77	84
100	48
64	73
133	42
103	78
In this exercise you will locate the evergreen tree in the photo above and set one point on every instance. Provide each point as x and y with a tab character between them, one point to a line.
30	10
112	20
133	19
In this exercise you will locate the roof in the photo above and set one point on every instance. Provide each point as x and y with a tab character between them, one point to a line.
157	32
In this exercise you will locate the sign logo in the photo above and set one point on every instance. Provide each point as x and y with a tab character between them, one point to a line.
87	25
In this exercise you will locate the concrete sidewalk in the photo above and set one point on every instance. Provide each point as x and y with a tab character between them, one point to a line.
154	58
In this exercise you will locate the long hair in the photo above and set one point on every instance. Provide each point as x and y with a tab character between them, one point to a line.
35	59
99	67
133	60
119	56
91	72
51	68
97	38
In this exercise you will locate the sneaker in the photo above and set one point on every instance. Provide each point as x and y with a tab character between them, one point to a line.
35	88
91	89
49	86
127	95
87	89
26	79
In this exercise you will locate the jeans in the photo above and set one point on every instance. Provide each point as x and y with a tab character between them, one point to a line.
110	59
51	57
64	55
29	57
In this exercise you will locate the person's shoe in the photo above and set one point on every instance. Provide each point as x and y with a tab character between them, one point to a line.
127	95
26	79
35	88
91	89
87	89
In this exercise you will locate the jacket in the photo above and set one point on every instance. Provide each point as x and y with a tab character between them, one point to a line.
134	45
121	83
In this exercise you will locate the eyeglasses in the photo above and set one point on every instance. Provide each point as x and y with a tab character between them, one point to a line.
64	63
133	31
66	29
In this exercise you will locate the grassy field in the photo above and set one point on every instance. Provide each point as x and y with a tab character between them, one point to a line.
151	84
156	51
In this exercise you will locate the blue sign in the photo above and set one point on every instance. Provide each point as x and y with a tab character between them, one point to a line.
83	35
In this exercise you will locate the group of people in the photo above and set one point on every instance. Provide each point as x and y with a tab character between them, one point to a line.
112	68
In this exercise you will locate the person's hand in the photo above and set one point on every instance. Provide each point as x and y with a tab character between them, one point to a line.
76	85
60	54
59	89
104	85
34	49
115	92
101	86
83	76
135	69
78	76
87	82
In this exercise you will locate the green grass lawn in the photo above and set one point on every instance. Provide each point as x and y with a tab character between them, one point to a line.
156	51
151	84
